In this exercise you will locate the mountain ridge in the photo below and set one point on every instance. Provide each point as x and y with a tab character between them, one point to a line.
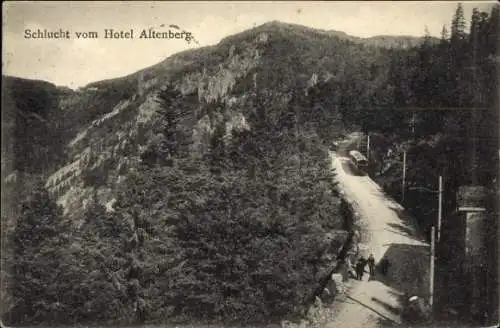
377	40
234	71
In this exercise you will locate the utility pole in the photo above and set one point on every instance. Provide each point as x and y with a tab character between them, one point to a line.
473	155
431	283
440	208
404	178
368	147
413	121
433	241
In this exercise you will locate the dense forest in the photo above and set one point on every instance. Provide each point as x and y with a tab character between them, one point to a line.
240	234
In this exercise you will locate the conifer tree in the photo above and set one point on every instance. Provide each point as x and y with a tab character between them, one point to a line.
458	25
444	35
169	138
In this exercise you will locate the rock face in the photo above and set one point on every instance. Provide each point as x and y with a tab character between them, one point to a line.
106	148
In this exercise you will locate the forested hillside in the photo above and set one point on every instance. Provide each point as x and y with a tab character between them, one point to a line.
200	189
245	224
30	123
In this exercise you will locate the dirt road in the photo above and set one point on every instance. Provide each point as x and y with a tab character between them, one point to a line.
384	232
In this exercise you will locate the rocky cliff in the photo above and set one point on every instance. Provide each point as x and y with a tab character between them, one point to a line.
103	150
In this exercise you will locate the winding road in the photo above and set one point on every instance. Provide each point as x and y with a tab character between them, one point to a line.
386	232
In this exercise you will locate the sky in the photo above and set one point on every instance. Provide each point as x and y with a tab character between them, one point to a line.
76	62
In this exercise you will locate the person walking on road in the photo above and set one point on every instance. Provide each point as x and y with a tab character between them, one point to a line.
384	266
371	265
360	268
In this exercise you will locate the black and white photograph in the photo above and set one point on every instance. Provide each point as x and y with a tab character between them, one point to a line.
250	164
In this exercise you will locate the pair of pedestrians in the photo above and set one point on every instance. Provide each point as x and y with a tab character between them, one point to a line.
360	266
